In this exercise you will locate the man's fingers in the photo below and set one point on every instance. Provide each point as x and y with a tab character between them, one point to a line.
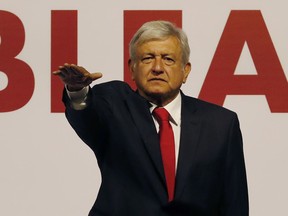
78	69
56	72
76	76
85	73
59	73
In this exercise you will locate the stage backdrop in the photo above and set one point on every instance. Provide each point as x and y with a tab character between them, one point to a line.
239	56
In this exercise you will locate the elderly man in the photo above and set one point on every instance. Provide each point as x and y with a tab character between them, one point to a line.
159	151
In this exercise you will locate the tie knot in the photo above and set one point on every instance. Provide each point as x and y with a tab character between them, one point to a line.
161	114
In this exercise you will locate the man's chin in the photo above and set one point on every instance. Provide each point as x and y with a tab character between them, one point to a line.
157	95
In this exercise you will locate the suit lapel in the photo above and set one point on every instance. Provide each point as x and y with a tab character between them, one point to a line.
190	130
139	110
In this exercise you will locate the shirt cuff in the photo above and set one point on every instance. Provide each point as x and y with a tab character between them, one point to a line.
78	98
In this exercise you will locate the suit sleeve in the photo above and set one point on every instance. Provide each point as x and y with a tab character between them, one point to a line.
85	122
235	195
91	123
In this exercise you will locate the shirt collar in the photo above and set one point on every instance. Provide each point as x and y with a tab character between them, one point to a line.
174	109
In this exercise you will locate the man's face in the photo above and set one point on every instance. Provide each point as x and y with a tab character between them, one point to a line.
158	70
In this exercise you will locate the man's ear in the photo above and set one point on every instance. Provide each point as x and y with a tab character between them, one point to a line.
187	70
131	67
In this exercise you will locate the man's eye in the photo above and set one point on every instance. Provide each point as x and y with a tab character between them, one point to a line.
147	59
169	61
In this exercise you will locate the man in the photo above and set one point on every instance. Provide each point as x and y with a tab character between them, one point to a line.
204	174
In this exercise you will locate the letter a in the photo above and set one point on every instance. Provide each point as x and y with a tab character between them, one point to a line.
249	27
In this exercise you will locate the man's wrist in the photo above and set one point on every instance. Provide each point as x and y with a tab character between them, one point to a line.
73	88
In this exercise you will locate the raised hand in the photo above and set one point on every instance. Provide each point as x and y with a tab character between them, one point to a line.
76	77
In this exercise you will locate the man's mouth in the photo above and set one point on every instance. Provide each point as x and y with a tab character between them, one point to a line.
157	79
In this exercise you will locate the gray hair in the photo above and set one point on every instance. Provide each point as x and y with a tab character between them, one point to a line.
159	30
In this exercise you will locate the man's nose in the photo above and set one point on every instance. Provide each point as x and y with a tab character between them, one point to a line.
158	65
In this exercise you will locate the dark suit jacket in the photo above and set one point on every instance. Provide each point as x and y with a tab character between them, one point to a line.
118	127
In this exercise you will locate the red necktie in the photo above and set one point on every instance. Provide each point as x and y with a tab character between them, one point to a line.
167	148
